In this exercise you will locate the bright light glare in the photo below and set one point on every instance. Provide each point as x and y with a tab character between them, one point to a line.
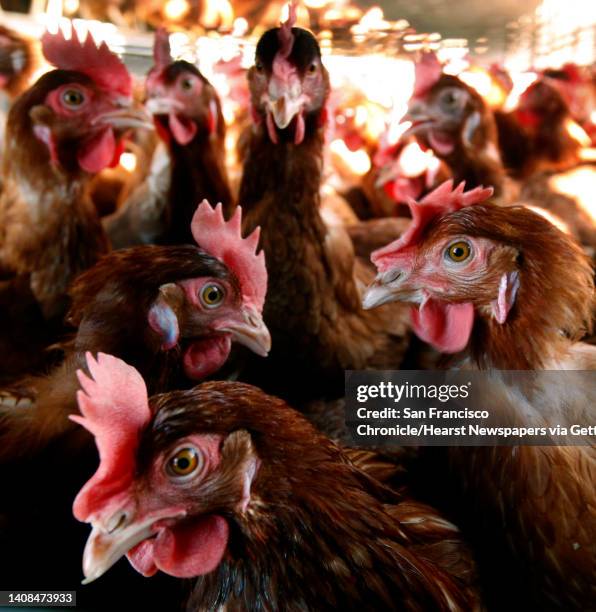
577	132
413	161
579	184
357	162
128	161
521	82
176	9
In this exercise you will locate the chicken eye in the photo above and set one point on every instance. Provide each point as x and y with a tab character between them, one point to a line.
187	84
184	462
312	68
259	66
458	251
451	99
73	98
211	295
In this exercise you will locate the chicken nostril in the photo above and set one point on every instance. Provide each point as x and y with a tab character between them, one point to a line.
251	319
117	522
389	277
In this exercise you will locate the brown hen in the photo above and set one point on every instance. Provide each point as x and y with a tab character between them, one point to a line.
231	486
187	114
504	288
172	311
313	307
456	122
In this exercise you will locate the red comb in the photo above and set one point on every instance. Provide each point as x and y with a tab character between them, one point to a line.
223	239
285	36
161	49
97	62
443	200
427	72
115	410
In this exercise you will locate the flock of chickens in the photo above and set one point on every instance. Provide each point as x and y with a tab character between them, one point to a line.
245	492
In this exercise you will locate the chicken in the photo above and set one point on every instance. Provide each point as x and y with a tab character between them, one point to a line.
66	127
171	311
502	288
577	86
401	171
188	117
313	307
454	120
217	483
558	180
543	140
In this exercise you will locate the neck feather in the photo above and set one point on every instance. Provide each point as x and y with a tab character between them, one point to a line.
553	308
198	172
326	545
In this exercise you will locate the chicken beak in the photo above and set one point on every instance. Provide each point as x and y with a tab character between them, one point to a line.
108	544
387	287
125	117
376	295
250	330
163	105
419	116
104	549
284	109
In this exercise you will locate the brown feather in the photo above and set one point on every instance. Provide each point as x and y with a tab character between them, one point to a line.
539	502
109	310
49	229
313	303
319	532
198	172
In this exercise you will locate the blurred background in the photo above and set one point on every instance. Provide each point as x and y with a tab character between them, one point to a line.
499	48
521	33
544	50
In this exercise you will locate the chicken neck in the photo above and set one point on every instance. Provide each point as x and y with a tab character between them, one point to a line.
197	172
326	543
311	293
46	216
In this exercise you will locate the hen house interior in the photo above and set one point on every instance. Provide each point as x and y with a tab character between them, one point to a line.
237	235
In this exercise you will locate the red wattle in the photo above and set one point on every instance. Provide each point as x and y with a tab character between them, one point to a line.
402	189
97	152
299	133
203	357
271	128
447	327
141	558
183	129
441	142
191	549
